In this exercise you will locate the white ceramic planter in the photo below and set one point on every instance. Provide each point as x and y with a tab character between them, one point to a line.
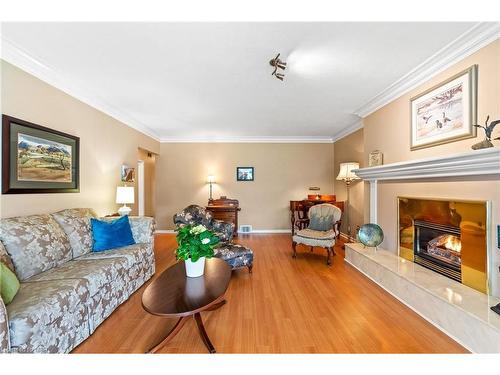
195	269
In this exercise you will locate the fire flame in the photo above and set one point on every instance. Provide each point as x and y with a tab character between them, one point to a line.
453	243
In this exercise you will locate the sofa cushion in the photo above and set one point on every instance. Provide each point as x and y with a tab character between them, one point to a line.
140	262
76	224
143	228
49	316
111	234
98	273
107	282
5	258
137	253
35	244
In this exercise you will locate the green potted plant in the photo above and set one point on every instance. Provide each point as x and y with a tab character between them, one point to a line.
195	244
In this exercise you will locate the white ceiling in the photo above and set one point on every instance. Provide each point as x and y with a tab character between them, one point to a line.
213	80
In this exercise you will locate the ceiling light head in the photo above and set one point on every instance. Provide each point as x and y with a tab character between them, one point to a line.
280	76
277	63
281	64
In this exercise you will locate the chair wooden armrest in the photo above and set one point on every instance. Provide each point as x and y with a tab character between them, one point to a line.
336	228
302	223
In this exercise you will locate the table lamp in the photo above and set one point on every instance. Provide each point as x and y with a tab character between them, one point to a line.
211	181
347	175
316	189
124	195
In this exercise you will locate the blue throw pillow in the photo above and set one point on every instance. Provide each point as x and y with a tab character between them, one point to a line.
111	234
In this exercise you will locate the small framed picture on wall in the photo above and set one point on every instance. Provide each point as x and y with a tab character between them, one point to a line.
127	173
244	173
375	158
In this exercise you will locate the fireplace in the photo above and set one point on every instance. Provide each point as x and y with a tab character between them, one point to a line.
446	236
438	247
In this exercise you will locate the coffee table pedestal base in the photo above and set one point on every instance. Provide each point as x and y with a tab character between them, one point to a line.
180	323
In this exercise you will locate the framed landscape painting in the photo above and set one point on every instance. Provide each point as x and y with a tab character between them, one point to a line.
446	112
244	173
36	159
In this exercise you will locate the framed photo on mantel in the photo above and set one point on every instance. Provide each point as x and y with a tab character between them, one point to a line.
36	159
446	112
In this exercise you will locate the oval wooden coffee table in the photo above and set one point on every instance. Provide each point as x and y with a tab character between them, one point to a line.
174	295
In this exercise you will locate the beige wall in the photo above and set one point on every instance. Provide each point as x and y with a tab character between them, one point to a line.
388	131
105	144
149	160
282	172
351	148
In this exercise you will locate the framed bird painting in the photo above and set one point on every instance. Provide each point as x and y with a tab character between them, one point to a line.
446	112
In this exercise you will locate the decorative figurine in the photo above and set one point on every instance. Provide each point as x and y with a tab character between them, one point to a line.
371	235
488	130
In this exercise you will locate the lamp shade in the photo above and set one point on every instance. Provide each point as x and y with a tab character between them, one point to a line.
124	194
211	179
346	171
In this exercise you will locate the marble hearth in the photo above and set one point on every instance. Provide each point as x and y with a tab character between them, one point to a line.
459	311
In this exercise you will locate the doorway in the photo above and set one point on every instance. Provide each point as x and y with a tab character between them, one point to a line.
146	176
140	187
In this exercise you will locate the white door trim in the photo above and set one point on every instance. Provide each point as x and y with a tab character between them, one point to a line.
140	187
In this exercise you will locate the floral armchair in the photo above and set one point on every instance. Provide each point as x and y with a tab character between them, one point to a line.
323	229
235	255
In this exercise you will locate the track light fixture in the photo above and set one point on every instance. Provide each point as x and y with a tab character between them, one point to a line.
277	63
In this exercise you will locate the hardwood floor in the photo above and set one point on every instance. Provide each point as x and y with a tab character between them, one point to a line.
286	306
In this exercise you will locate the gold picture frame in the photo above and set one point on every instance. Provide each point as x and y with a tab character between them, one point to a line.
446	112
375	158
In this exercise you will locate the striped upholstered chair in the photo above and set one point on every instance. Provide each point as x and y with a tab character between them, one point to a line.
323	229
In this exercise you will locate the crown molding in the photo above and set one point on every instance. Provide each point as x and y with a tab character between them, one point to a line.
465	45
15	55
249	139
474	39
348	130
470	163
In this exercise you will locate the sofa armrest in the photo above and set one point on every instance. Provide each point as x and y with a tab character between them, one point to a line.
4	329
142	228
223	230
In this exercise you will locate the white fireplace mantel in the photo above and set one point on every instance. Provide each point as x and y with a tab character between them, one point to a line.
473	163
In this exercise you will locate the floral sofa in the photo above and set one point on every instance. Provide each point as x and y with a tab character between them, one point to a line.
66	289
235	255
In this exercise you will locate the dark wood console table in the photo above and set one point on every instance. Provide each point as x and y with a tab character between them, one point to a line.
225	209
299	210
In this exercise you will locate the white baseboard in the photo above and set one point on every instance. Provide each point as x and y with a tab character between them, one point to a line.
345	237
256	231
263	231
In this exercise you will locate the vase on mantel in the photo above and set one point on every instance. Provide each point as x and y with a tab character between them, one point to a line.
195	269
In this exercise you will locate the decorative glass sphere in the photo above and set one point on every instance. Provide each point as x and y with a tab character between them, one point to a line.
370	235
